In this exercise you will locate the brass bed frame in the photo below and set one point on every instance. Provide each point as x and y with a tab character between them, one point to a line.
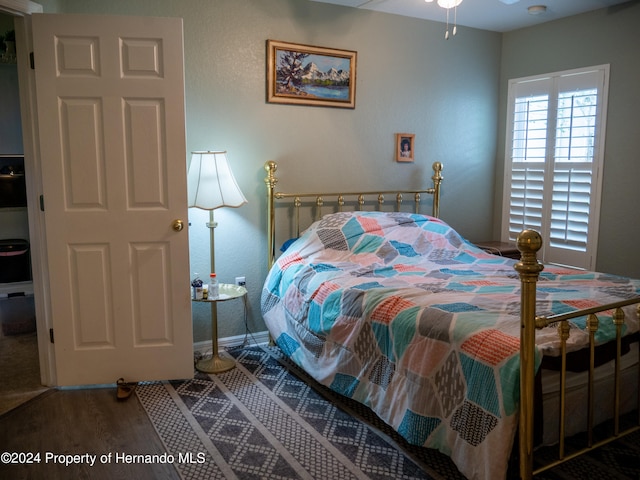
529	243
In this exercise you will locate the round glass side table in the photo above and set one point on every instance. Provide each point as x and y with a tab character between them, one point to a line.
218	364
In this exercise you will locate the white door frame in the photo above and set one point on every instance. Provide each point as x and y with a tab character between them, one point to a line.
21	9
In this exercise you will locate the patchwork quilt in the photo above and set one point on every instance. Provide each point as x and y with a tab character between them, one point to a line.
399	312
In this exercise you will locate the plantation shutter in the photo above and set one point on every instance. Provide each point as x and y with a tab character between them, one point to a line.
554	152
528	153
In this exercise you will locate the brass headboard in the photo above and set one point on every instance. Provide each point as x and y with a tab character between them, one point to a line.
339	200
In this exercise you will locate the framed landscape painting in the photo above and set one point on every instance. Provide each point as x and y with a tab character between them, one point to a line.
307	75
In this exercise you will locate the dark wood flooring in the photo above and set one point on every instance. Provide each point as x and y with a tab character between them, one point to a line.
77	422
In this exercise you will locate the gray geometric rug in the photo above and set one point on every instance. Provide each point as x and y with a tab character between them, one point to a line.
266	419
260	421
618	460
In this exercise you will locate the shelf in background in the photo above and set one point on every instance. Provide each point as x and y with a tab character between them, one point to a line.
16	287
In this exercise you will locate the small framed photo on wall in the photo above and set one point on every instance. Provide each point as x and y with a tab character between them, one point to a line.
405	147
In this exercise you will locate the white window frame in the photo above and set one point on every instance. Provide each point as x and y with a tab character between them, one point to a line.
534	172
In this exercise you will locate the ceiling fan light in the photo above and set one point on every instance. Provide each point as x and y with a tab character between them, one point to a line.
449	3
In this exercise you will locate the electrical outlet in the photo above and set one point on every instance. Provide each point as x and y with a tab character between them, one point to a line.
241	281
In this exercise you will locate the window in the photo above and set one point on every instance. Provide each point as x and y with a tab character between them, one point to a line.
553	166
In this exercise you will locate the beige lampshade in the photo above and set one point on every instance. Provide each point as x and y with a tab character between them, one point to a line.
210	182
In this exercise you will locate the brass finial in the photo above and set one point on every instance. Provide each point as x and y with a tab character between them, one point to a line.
529	241
271	167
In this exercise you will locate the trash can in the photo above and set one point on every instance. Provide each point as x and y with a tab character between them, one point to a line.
15	263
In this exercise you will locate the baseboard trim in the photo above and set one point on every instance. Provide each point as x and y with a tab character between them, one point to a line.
229	342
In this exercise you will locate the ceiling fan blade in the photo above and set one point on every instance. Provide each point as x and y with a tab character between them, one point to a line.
509	2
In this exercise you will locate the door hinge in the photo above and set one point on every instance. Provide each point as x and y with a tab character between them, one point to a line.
51	335
32	61
42	203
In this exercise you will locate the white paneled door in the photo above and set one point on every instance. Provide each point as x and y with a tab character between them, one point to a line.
110	109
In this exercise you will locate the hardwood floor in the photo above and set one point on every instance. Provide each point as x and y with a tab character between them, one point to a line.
77	422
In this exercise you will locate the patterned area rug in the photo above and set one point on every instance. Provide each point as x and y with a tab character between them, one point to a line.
264	420
261	421
618	460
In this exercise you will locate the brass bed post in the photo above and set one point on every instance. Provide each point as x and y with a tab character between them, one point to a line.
271	181
437	180
563	334
593	324
529	242
618	321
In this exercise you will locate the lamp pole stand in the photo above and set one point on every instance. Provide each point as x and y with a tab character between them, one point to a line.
215	364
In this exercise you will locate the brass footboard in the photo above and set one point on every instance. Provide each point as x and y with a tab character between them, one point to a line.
529	242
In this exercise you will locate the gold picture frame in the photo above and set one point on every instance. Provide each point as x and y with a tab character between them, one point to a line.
405	147
307	75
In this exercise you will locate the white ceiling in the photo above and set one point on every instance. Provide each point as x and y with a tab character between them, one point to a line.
494	15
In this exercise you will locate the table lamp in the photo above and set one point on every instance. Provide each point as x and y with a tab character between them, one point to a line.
211	185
